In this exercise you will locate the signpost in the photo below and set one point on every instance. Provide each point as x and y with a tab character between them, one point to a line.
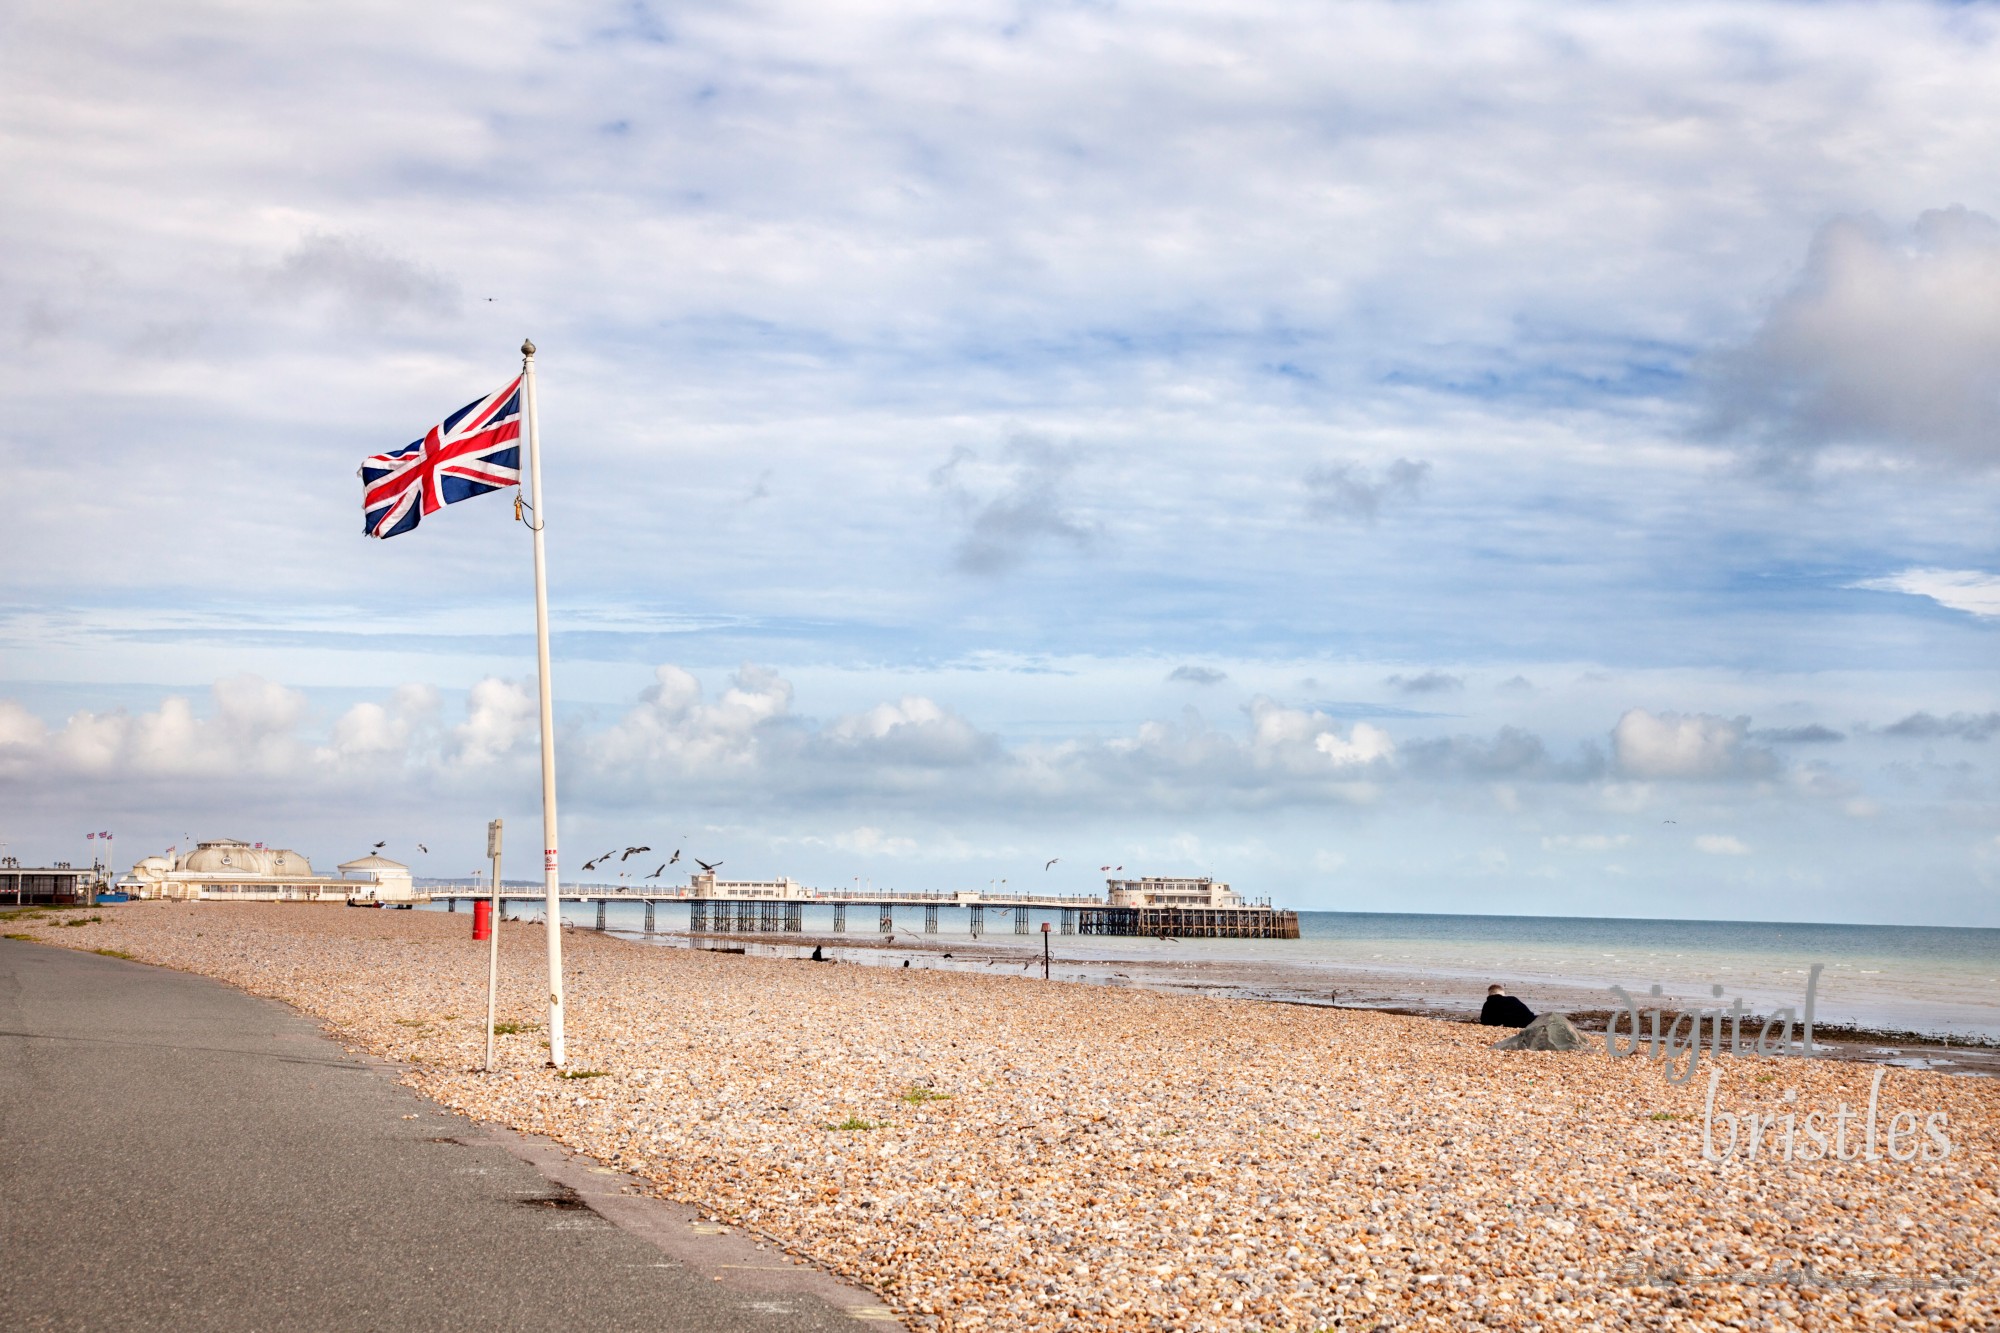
493	938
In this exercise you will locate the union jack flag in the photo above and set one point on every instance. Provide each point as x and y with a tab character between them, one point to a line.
474	450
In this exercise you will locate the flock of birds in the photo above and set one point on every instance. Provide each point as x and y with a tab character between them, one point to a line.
626	855
708	867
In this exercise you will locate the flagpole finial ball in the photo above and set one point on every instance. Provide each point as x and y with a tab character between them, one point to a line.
527	348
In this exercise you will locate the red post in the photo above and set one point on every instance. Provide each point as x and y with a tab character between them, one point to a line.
482	919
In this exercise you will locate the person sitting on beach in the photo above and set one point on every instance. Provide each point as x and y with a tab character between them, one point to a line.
1502	1010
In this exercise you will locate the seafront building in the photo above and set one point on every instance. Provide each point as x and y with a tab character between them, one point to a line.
1154	891
783	889
60	883
230	870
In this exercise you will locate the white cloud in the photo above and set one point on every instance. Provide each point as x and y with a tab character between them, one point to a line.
1967	590
1720	844
1344	491
500	715
371	734
1887	341
1014	504
1692	746
1295	740
672	732
914	729
366	278
869	841
1585	842
250	730
20	729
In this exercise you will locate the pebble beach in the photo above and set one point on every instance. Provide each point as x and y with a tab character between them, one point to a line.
997	1152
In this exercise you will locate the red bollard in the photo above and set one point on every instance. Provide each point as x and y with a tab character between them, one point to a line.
482	919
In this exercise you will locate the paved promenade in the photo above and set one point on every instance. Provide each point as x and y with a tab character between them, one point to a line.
176	1154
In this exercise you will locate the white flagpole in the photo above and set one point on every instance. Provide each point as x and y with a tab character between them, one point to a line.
551	865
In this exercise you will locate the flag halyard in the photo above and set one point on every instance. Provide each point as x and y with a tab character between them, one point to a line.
471	452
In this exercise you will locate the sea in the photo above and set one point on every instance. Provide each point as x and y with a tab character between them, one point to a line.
1937	980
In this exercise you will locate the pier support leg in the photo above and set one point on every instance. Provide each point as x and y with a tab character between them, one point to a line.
697	917
978	921
795	918
840	918
930	918
1020	921
649	916
1069	921
767	917
600	913
888	920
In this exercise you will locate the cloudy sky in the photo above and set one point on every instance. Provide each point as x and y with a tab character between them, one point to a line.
1532	458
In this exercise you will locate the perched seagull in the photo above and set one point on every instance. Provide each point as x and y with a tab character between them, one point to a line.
631	852
705	865
656	873
1051	861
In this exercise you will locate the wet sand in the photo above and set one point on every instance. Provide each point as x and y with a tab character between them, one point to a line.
989	1151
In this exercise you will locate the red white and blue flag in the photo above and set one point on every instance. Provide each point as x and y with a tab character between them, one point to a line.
474	450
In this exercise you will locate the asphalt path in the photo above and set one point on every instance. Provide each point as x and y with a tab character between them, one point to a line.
178	1154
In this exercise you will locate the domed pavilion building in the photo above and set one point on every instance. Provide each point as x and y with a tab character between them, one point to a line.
230	870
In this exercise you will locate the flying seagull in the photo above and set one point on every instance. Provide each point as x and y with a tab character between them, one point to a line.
675	857
631	852
1051	861
705	865
425	850
380	845
656	873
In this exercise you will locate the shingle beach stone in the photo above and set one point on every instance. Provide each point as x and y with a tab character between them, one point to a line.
997	1152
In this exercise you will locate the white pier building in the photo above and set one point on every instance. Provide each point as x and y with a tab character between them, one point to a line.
230	870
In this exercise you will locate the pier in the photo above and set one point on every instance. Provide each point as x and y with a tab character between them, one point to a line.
779	907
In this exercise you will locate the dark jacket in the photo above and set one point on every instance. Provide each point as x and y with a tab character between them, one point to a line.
1504	1011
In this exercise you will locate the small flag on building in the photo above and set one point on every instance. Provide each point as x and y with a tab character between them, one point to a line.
474	450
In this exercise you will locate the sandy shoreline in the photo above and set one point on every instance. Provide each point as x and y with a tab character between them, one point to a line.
1022	1155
